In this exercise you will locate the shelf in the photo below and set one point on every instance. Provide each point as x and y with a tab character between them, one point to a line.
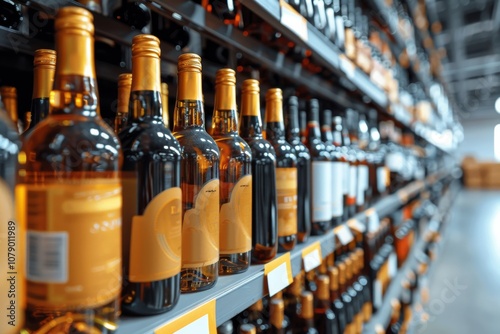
383	315
235	293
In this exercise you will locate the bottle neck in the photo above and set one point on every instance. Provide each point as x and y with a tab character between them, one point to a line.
189	110
251	122
275	127
145	91
326	134
313	130
293	128
225	119
10	105
75	86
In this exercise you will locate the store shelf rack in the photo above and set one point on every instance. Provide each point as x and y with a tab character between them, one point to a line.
383	315
235	293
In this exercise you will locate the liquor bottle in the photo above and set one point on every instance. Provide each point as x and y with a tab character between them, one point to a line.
164	103
264	198
200	180
352	173
363	280
9	98
324	318
304	323
11	14
360	291
248	329
347	10
122	108
303	125
361	164
291	297
344	160
235	216
378	170
286	171
303	169
338	161
71	183
363	142
134	14
255	316
43	80
356	302
277	320
12	310
151	180
336	303
321	173
346	299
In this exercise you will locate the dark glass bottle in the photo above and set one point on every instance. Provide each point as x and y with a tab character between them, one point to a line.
9	99
337	167
303	170
321	175
200	180
303	125
324	319
304	318
255	316
346	299
336	303
133	13
356	299
235	229
363	281
361	164
43	79
378	170
264	199
9	151
291	297
11	15
286	171
337	137
124	85
151	178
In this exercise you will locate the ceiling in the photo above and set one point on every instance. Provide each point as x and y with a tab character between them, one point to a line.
471	36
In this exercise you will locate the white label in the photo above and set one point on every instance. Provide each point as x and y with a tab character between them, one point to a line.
381	179
199	326
344	234
394	161
377	294
337	188
373	222
321	175
356	225
346	177
312	260
362	184
293	20
47	257
277	279
393	265
353	177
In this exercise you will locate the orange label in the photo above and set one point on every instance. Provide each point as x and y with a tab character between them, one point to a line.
200	228
155	246
236	219
74	242
286	186
12	296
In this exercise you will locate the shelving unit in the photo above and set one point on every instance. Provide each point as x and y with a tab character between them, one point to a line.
383	315
235	293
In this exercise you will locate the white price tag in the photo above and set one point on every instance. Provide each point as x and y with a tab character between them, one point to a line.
199	326
278	274
344	234
293	20
373	220
311	256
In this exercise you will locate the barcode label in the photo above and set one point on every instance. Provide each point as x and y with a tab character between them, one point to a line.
47	257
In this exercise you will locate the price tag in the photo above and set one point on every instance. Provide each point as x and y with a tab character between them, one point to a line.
293	20
311	256
344	234
200	320
356	225
347	66
373	220
278	274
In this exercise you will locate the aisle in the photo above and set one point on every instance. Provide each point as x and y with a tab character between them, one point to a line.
465	284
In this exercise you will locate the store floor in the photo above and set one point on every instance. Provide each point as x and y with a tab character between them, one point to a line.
465	282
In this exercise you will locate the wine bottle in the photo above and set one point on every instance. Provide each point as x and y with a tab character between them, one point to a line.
264	197
324	318
164	104
336	303
12	306
351	155
338	143
11	14
291	297
43	73
9	98
70	196
303	125
151	180
286	171
248	329
134	14
305	315
303	170
277	321
321	173
255	316
235	227
122	109
363	280
200	181
337	205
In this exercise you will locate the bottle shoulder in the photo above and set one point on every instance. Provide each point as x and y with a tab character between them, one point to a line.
195	140
233	146
150	137
261	148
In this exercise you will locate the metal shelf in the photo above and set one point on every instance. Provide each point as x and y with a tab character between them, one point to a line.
235	293
383	315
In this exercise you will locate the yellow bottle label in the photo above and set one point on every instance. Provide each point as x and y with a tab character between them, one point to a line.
286	186
200	228
155	246
236	219
74	242
12	286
